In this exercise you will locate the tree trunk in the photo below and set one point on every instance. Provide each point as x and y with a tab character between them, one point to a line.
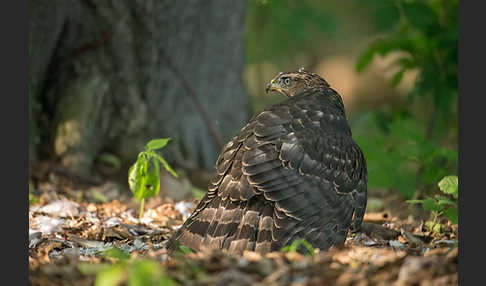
108	76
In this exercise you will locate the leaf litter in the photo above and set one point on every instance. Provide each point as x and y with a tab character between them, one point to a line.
70	234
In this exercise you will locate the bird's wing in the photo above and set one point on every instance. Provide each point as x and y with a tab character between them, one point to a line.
281	177
316	175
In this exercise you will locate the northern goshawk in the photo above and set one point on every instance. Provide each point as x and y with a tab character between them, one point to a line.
292	172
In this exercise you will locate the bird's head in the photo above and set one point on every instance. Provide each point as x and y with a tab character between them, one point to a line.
293	83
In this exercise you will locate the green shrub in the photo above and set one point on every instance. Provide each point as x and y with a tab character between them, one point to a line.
412	147
443	204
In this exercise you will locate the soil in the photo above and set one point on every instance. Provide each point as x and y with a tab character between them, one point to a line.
72	226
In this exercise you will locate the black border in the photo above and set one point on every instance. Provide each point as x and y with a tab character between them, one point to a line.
14	121
471	47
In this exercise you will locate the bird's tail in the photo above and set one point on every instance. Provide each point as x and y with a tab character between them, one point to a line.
225	224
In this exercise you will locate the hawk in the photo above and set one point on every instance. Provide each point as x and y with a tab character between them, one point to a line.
293	171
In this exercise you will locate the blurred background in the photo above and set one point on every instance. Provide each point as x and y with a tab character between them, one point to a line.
108	76
394	63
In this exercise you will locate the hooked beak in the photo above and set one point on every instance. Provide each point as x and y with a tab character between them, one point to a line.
270	86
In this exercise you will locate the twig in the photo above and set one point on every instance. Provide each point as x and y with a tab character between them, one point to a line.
378	230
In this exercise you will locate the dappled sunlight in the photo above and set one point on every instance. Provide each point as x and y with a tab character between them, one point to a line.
301	194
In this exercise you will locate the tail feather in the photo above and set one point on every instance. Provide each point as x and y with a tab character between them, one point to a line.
234	226
246	233
224	223
264	237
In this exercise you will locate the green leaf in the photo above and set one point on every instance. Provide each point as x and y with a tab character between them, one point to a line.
381	47
144	176
441	200
111	276
143	272
136	174
406	62
147	272
287	248
294	246
420	15
308	246
166	165
365	59
184	249
116	253
157	143
152	183
449	185
452	215
33	199
111	159
386	17
429	204
397	78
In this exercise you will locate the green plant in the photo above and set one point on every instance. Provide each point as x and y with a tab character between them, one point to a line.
284	27
144	174
442	204
184	249
301	245
110	160
132	272
33	199
425	35
399	154
413	146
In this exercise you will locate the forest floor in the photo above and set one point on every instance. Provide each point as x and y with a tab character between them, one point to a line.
76	234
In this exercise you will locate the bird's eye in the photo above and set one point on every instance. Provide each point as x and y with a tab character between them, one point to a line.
287	81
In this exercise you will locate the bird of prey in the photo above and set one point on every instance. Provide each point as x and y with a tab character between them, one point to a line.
292	172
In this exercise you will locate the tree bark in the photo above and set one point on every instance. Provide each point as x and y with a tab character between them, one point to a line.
108	76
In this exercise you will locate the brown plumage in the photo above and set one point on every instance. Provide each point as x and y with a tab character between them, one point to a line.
292	172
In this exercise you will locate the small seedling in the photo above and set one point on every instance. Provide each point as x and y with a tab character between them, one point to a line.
144	175
300	245
117	253
184	249
440	204
111	160
126	270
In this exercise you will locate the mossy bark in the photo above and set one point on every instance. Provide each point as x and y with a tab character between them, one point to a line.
101	82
